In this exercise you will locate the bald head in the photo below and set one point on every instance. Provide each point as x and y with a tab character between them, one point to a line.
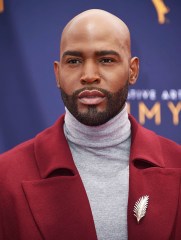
96	21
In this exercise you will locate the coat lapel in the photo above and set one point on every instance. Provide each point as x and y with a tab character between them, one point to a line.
148	176
60	208
58	201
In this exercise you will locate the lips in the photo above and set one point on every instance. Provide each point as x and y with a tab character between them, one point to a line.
91	97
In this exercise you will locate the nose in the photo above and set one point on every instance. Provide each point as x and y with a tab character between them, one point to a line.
90	73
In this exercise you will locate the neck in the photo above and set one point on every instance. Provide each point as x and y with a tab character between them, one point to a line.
113	132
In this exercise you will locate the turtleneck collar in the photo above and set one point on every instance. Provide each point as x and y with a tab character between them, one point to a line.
113	132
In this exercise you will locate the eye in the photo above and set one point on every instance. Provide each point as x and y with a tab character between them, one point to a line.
73	61
107	60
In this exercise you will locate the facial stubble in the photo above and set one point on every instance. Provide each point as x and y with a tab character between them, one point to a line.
93	117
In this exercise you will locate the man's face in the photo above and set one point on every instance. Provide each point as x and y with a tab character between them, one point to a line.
93	73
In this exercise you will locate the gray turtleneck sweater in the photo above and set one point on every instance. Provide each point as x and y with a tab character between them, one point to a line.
101	155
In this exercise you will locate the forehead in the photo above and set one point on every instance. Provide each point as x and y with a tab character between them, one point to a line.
95	34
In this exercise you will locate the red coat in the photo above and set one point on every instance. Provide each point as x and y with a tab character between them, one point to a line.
42	195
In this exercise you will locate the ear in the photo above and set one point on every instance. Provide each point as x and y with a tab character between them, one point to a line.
134	70
57	73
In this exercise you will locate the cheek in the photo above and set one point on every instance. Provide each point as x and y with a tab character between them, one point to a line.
69	82
115	80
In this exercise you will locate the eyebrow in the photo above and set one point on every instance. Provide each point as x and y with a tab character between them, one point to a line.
98	53
107	52
72	53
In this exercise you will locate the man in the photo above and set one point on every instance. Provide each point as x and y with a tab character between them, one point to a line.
81	178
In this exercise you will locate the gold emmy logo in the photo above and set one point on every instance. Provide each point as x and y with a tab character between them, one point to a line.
161	10
1	6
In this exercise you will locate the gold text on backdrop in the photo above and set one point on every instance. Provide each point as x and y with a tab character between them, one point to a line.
1	6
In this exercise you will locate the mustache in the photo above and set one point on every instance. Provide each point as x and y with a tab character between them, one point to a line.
105	92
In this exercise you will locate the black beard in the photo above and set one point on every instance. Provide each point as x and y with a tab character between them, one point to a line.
115	103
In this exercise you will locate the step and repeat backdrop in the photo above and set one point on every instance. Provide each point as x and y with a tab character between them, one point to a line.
29	43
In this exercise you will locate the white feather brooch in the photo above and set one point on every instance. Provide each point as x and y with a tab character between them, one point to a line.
140	207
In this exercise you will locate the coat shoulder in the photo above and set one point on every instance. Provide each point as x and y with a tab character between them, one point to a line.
148	143
22	157
171	152
12	155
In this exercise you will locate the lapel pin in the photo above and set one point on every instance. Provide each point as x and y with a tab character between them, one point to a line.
140	207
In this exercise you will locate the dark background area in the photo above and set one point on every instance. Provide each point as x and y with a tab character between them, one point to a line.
29	43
